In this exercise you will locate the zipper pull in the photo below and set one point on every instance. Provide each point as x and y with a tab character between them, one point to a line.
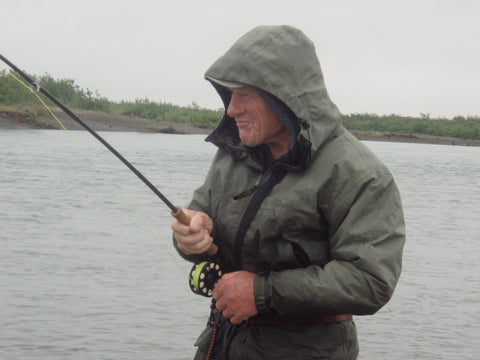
246	193
254	188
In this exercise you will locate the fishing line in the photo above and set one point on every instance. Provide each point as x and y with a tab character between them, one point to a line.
116	189
203	276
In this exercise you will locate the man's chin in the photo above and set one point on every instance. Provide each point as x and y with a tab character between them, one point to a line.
248	142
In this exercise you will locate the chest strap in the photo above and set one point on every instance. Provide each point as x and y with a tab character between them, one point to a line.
258	196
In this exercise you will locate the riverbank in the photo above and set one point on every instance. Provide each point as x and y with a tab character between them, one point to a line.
98	121
31	119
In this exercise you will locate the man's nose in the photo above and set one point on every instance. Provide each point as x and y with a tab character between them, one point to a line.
233	108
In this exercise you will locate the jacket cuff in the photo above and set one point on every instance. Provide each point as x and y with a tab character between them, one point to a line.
261	292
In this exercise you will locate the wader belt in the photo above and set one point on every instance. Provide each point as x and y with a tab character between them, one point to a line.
272	319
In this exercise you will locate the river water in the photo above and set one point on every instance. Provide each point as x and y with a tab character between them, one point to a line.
82	277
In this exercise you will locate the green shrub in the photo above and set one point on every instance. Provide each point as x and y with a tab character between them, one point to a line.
460	127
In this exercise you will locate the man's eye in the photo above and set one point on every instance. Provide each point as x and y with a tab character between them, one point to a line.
239	95
244	93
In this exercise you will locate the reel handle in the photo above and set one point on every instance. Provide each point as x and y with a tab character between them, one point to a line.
184	219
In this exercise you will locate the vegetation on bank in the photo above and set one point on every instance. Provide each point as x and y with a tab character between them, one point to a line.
68	92
458	127
12	93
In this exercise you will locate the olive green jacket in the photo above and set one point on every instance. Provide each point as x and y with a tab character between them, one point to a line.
323	229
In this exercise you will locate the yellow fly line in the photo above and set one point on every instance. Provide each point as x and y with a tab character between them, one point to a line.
115	188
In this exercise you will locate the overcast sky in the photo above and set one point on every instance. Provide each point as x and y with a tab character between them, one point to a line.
403	57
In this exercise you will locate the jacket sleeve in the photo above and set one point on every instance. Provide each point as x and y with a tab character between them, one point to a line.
367	234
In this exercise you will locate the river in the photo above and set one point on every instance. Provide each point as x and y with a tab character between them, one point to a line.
83	276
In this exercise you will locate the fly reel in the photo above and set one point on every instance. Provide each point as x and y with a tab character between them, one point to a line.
203	277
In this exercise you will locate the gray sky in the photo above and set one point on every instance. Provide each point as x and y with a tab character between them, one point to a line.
403	57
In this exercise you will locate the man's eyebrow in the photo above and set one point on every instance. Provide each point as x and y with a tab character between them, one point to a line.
241	90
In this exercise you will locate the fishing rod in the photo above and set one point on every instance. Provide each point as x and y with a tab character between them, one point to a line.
176	211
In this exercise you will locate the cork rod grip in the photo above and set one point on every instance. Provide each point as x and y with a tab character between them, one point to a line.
185	220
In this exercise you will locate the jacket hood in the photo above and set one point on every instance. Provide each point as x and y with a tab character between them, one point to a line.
281	62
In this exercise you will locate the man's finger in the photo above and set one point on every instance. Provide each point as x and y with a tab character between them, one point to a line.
217	292
180	228
204	245
197	222
236	320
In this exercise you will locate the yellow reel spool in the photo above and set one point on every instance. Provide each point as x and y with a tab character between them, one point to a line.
203	277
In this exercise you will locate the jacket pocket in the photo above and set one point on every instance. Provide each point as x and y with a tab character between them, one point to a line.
281	238
307	235
276	253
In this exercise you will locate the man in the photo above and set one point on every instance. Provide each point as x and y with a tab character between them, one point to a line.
308	222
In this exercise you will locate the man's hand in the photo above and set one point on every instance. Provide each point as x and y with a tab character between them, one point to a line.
235	297
194	238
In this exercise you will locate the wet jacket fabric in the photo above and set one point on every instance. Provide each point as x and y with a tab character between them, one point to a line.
322	227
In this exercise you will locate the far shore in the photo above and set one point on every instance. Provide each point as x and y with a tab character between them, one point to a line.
99	121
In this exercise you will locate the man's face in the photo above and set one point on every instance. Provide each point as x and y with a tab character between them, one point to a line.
257	123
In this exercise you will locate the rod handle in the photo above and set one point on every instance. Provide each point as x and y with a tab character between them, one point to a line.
184	219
